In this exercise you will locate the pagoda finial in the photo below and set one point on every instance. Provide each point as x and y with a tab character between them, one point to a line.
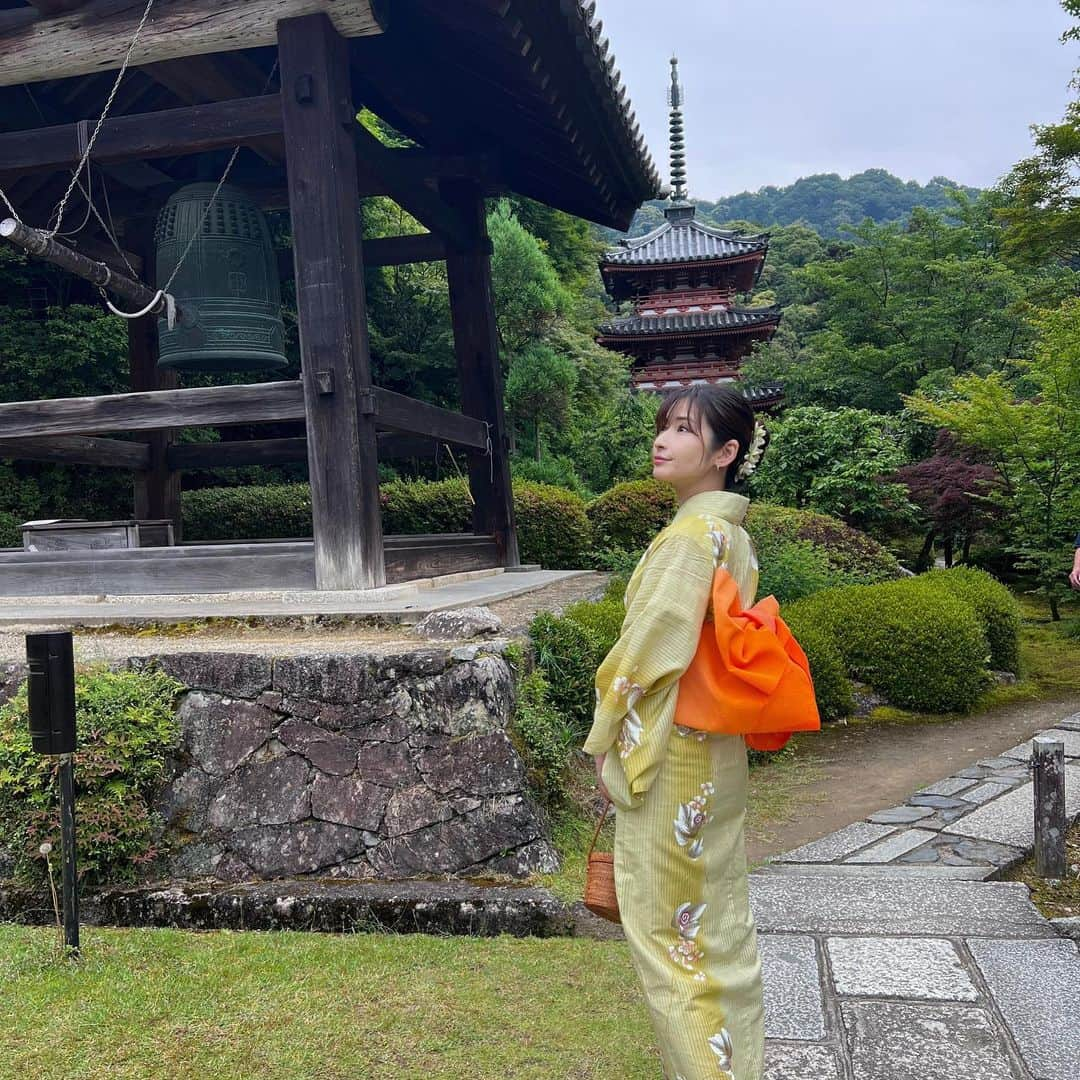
675	127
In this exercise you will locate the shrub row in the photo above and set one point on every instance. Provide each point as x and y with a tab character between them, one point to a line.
553	529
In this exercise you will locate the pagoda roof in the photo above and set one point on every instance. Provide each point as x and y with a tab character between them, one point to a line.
685	322
682	238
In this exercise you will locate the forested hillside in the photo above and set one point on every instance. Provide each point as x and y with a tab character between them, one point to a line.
826	202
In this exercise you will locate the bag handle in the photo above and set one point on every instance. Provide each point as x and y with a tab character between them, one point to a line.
599	825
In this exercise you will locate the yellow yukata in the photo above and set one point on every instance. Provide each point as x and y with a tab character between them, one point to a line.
680	796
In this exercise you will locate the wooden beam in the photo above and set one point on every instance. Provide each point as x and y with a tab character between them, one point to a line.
169	133
236	453
78	450
472	314
95	37
324	201
229	455
396	250
401	413
253	403
56	7
156	491
379	165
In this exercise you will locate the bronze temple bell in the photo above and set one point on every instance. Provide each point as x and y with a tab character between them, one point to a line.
227	288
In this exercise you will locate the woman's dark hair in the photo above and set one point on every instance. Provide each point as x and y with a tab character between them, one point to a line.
726	411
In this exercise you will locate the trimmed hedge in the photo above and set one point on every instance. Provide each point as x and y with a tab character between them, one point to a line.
10	533
258	512
851	555
553	529
914	642
993	603
629	515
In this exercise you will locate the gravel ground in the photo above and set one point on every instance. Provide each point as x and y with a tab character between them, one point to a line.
96	645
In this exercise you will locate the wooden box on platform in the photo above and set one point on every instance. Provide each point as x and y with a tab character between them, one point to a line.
95	535
496	95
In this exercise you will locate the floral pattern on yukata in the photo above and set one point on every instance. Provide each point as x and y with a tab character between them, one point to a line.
686	952
632	729
693	816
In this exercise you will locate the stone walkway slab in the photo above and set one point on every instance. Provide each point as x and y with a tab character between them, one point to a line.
792	984
800	1063
899	967
1070	739
838	844
790	903
901	1041
1010	819
892	848
1036	985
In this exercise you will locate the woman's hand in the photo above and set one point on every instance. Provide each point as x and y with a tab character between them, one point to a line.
599	758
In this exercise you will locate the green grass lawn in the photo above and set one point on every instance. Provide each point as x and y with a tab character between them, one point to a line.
173	1005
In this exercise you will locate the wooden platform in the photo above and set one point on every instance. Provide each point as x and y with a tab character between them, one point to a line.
218	568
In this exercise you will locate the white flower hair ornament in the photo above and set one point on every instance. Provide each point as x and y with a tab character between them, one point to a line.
754	452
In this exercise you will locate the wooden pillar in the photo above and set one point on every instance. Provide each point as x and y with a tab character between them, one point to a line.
476	343
157	491
324	205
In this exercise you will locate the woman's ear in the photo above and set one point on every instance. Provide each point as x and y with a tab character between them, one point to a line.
727	454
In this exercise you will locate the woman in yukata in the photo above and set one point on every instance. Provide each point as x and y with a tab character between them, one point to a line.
680	792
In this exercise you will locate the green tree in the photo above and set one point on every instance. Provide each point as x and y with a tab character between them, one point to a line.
528	293
836	462
1027	422
539	388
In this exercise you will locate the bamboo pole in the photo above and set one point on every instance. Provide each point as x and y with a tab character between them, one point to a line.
44	247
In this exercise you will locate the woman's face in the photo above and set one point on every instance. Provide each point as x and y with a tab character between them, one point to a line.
679	453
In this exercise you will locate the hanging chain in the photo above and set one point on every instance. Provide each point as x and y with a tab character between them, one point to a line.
101	120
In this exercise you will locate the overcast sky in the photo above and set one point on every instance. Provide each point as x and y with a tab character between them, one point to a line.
778	89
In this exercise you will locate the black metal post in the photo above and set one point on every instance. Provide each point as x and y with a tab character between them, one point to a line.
67	835
50	660
1048	765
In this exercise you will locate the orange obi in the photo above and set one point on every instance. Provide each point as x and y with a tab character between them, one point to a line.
749	676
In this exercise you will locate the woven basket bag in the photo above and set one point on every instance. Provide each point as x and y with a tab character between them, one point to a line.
600	896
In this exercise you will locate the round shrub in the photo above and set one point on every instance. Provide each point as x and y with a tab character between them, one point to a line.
852	556
919	646
127	728
993	603
629	515
551	525
832	687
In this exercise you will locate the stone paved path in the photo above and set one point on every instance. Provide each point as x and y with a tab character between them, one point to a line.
888	954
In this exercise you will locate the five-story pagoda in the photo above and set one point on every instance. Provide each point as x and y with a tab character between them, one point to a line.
682	280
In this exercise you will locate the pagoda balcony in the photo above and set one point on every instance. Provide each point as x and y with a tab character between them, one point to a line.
669	303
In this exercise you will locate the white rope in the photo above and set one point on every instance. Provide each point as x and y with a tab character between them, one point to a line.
136	314
101	120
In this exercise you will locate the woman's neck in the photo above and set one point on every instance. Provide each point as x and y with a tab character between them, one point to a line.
710	484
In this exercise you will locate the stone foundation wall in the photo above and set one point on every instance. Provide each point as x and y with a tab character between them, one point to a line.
353	766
